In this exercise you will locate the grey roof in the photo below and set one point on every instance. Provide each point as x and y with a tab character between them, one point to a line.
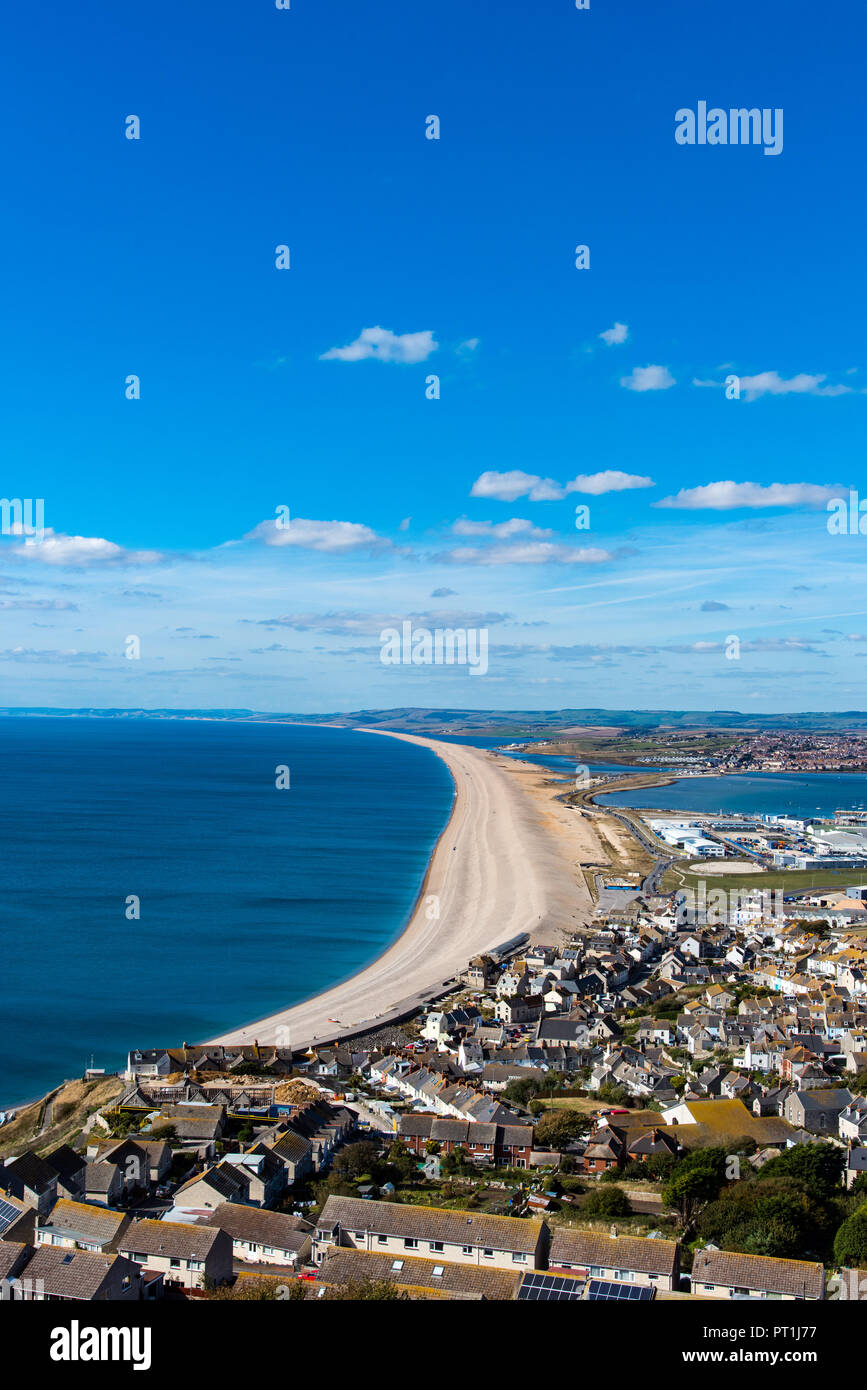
170	1238
71	1273
430	1223
276	1228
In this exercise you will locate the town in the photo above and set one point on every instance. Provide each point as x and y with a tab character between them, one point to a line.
646	1110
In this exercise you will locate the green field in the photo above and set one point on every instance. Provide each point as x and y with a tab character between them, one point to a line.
790	880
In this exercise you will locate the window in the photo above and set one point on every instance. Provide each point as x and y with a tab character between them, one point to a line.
488	1254
466	1250
397	1265
438	1271
382	1240
436	1246
519	1259
410	1243
196	1264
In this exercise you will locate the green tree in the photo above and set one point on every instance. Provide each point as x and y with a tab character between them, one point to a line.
607	1201
768	1216
696	1180
850	1242
356	1160
818	1167
556	1129
366	1290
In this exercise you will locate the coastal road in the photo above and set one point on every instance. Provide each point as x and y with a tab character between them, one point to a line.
499	870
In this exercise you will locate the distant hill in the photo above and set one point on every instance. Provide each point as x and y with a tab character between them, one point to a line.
520	723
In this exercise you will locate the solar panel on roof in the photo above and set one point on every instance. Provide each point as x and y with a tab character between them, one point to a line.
8	1214
538	1288
605	1289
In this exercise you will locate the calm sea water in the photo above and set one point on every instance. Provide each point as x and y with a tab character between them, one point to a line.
803	794
252	898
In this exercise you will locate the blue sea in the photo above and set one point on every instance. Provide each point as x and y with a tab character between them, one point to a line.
251	898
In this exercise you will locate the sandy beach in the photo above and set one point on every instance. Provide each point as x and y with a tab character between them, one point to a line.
508	862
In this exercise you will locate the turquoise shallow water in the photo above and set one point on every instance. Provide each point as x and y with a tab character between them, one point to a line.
801	794
251	898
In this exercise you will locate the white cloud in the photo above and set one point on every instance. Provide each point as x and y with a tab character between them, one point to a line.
648	379
772	384
610	480
507	487
468	346
724	496
385	346
330	536
526	553
502	530
617	334
80	551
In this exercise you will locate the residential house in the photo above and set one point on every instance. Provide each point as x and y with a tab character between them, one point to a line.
625	1259
55	1275
264	1237
453	1237
186	1255
816	1111
31	1179
726	1274
81	1226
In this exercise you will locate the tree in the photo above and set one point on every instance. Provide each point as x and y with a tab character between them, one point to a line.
366	1290
522	1091
607	1201
245	1290
768	1216
556	1129
850	1242
696	1180
817	1167
356	1160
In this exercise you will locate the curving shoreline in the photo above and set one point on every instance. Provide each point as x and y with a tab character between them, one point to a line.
502	866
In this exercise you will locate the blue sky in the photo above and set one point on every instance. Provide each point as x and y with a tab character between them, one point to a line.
264	388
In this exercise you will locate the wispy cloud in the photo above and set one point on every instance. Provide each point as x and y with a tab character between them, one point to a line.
772	384
501	530
526	553
351	623
726	496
